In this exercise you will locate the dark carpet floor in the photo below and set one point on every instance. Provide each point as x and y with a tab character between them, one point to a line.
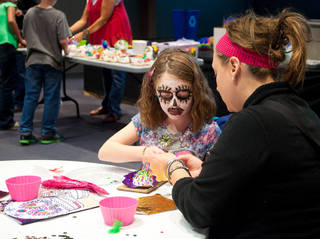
83	136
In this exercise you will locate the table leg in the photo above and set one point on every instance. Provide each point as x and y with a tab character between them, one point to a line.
65	97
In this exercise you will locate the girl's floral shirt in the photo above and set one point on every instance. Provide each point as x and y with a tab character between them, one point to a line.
199	143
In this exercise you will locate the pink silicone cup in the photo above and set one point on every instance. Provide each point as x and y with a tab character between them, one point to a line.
118	208
23	188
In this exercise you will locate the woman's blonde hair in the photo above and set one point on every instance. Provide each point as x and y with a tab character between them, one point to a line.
182	65
271	36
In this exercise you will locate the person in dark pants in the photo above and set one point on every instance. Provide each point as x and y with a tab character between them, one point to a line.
19	89
9	38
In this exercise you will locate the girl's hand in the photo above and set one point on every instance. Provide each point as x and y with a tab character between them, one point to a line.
193	163
158	164
151	151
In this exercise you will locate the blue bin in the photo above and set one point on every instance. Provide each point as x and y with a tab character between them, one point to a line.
191	26
179	18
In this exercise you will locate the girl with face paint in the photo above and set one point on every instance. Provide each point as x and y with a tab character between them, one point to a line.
176	107
175	97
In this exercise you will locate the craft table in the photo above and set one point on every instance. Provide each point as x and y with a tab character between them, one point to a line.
109	65
89	223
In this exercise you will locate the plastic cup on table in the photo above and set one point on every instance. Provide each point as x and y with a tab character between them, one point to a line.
23	188
191	24
119	208
138	47
179	18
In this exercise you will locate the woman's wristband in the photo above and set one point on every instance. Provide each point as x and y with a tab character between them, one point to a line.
175	168
180	166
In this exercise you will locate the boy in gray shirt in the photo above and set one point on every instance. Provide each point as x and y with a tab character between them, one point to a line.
46	31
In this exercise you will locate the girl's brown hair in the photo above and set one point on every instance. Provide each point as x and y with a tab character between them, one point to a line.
182	65
270	36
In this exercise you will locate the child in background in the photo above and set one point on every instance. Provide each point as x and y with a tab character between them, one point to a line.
43	25
9	38
176	109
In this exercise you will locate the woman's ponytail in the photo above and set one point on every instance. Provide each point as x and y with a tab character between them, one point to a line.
293	29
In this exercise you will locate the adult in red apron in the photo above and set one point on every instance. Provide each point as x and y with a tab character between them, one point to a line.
117	27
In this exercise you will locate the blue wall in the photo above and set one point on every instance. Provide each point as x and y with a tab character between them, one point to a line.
212	13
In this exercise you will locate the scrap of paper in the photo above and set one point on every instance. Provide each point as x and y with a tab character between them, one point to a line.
57	170
155	204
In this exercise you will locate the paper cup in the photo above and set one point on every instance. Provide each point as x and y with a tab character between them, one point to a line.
118	208
24	188
138	47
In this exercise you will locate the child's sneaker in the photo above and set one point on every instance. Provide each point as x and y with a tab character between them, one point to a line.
51	138
27	139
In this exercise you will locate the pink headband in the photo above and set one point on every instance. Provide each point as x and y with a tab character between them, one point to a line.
228	48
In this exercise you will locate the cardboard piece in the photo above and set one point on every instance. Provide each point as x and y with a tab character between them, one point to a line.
154	204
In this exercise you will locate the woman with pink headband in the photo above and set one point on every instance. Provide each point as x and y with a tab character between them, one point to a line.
262	179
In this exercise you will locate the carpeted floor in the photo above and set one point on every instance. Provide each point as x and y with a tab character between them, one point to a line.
83	136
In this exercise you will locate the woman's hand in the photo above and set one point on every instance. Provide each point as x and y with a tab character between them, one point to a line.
78	37
193	163
158	164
